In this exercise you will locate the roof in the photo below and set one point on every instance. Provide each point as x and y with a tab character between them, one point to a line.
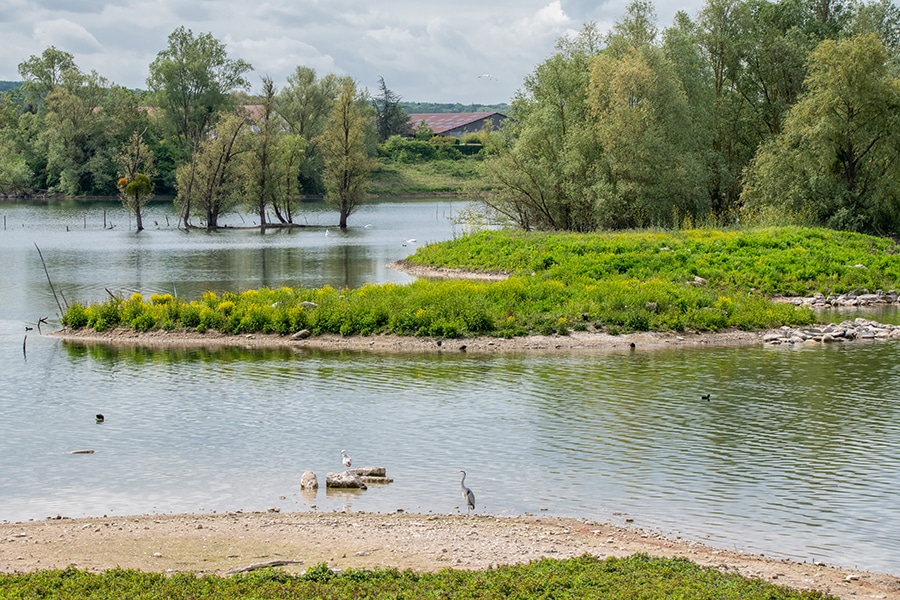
443	122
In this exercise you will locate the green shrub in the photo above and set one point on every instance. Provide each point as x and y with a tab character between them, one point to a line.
75	317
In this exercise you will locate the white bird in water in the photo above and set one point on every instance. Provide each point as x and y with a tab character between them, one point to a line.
346	458
410	241
326	233
468	495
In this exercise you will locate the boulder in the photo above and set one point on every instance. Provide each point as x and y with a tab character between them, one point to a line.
344	480
309	481
368	471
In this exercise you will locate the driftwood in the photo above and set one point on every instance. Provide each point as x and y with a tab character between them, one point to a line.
81	452
263	565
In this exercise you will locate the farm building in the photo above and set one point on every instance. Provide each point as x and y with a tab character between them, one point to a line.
457	124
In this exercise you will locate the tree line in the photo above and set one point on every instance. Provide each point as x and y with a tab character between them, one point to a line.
196	134
755	110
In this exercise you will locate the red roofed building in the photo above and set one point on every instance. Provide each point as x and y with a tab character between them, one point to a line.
457	124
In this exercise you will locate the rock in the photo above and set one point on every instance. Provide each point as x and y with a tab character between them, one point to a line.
309	481
301	335
344	480
368	471
859	328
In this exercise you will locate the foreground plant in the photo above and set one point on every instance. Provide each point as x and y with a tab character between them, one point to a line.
637	576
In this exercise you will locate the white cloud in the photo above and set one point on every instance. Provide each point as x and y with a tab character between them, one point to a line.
68	36
426	51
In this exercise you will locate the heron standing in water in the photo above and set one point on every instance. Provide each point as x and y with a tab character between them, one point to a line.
346	458
468	495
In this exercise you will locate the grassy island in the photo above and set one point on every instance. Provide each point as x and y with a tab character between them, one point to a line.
703	280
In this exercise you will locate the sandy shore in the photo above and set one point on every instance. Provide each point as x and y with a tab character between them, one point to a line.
229	542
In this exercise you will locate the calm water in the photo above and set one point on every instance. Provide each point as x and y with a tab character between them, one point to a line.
794	455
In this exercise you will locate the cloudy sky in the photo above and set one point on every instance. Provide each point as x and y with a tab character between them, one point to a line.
427	51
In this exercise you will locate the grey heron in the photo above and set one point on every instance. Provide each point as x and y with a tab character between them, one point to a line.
346	458
468	495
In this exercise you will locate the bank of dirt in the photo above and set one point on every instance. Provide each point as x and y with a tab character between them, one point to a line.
574	342
230	542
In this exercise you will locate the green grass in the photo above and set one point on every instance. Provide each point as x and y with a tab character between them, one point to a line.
635	577
434	177
618	283
790	261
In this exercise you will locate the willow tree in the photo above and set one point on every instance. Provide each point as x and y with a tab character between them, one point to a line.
655	175
346	149
135	164
305	104
213	182
543	176
837	160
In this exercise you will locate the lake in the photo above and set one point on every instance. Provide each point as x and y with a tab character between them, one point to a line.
794	455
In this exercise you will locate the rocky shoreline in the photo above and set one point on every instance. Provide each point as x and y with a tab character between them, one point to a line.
858	329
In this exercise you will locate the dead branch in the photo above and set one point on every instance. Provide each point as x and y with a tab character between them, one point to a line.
263	565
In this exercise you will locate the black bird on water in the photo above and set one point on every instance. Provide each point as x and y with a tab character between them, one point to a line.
705	397
99	418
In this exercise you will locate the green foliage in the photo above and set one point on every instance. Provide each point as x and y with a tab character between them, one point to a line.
432	177
213	182
694	280
345	151
191	81
400	149
636	576
838	158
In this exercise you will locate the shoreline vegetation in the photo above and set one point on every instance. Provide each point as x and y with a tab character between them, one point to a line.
507	285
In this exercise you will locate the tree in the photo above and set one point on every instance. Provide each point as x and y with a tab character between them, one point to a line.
263	164
543	176
41	75
192	82
135	163
74	134
881	17
212	182
654	175
837	160
346	152
305	104
390	118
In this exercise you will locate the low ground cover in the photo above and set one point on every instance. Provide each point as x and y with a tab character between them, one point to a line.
694	280
637	576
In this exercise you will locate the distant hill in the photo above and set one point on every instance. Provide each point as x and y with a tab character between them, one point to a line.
5	86
438	107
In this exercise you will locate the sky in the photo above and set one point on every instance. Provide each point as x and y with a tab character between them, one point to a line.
466	51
